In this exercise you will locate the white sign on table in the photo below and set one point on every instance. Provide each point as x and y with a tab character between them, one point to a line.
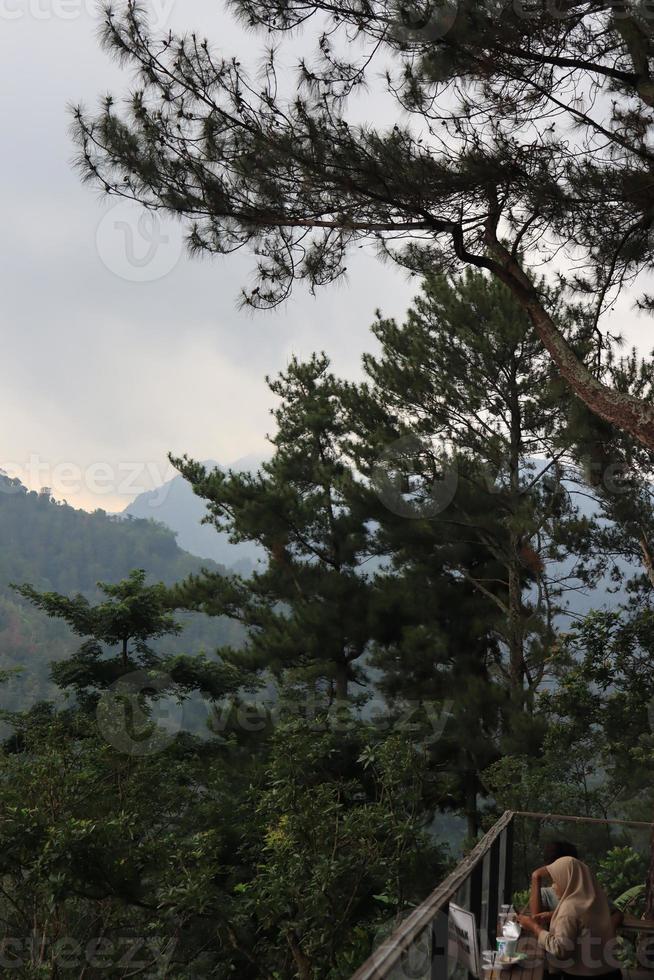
463	941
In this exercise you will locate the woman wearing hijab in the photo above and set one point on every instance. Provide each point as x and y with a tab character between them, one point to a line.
541	897
580	937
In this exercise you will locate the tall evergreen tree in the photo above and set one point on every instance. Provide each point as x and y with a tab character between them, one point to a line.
528	145
307	610
467	375
325	597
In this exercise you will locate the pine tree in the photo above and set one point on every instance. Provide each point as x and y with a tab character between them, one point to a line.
528	145
467	376
307	610
618	469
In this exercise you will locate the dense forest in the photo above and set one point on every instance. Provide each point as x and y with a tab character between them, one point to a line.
408	650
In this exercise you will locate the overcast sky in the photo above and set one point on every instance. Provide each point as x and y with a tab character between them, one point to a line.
103	374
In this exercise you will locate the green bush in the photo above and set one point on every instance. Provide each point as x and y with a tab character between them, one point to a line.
621	869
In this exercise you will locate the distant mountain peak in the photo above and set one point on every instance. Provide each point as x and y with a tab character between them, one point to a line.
176	506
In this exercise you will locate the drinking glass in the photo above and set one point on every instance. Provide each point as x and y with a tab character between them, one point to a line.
488	963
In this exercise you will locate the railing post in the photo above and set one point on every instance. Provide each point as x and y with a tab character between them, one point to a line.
484	916
493	891
475	895
439	944
507	884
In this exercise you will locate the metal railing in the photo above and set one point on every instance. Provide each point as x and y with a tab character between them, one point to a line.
480	883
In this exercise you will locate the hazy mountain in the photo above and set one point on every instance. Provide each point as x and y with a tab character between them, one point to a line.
57	548
176	506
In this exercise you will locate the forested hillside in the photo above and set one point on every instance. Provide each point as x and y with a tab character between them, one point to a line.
55	547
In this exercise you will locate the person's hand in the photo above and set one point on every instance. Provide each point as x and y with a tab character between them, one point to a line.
529	923
540	873
543	918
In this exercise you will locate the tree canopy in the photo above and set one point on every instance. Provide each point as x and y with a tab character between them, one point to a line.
521	141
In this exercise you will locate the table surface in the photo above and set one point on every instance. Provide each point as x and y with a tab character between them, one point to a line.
530	969
533	967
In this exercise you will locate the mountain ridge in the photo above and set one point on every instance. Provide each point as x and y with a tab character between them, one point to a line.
174	505
56	547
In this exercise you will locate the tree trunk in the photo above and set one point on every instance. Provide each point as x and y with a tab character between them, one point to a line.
630	414
627	413
302	961
516	643
515	625
341	682
472	814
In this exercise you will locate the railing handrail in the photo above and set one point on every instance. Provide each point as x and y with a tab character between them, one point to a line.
571	819
387	955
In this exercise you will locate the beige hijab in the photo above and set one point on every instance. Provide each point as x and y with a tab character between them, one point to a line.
581	897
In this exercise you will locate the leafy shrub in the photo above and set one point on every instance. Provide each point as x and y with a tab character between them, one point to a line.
621	869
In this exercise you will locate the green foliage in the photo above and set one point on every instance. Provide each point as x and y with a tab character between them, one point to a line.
620	870
238	169
520	899
531	140
284	844
342	847
632	901
543	784
254	864
133	612
131	615
462	391
605	692
265	853
98	843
